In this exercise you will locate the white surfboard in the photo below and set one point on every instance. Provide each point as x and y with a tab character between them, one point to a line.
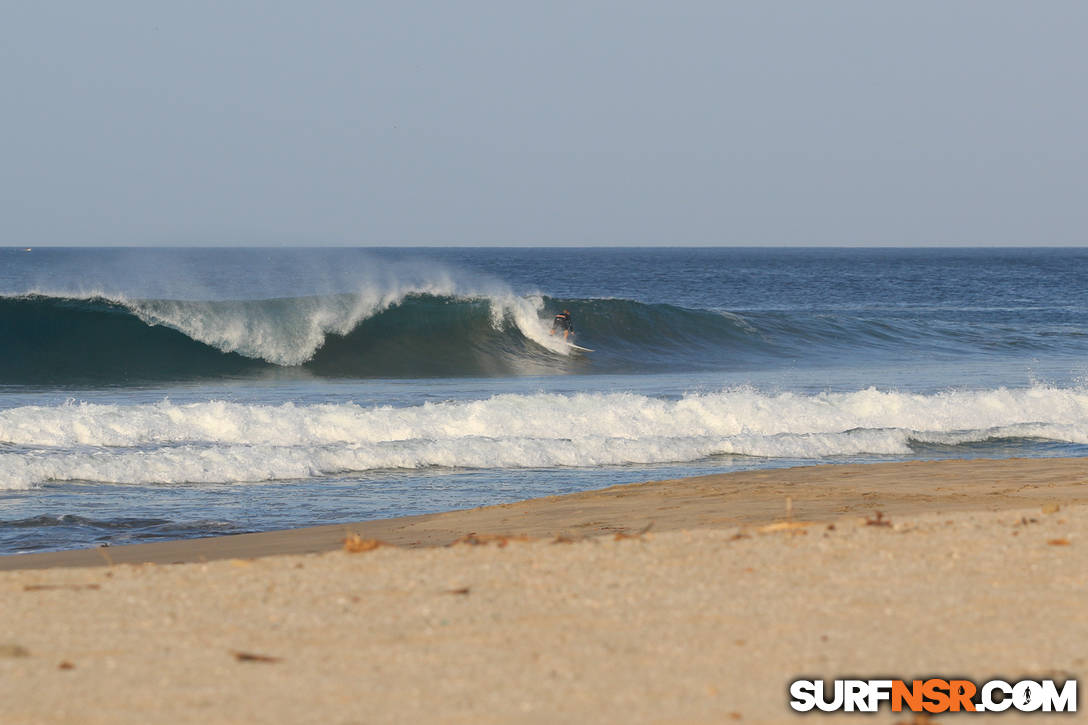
579	347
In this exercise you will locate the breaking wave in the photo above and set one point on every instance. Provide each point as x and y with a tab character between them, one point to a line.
433	331
418	333
224	442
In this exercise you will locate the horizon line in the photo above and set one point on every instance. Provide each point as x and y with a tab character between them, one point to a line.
541	245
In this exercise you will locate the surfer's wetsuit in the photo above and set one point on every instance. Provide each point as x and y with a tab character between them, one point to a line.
564	323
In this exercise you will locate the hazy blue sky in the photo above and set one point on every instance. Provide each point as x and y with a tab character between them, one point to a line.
630	122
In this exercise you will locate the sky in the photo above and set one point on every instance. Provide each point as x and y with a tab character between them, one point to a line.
593	123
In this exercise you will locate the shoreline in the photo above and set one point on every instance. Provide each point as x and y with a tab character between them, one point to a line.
974	570
820	493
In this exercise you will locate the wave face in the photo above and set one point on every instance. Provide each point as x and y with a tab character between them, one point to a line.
56	340
415	334
101	340
123	317
224	442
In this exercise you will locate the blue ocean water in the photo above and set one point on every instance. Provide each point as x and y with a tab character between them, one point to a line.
169	393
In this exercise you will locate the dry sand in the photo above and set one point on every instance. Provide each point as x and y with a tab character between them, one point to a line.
706	618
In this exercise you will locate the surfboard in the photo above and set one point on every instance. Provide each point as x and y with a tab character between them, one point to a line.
579	347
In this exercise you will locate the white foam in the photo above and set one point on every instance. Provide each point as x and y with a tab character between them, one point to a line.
221	441
289	331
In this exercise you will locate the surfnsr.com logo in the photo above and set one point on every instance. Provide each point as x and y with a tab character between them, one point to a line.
933	695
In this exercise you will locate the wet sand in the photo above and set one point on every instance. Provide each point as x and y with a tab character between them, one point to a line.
736	585
813	493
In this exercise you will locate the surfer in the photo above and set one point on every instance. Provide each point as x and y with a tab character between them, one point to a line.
564	323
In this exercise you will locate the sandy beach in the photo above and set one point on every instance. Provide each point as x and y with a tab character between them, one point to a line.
696	600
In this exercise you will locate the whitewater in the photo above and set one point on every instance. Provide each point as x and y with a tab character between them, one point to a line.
152	394
221	442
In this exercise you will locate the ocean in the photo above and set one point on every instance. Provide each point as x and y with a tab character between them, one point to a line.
150	394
